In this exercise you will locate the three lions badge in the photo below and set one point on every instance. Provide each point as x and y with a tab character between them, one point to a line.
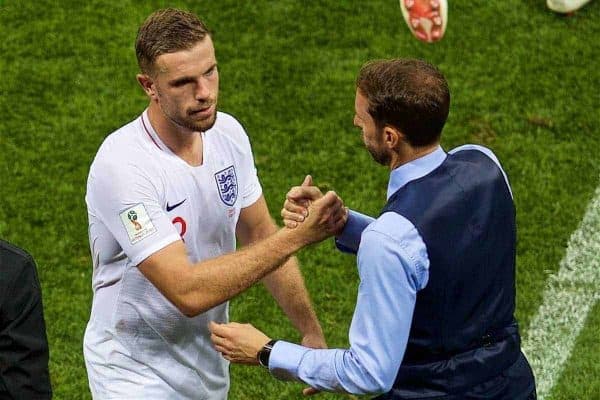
227	185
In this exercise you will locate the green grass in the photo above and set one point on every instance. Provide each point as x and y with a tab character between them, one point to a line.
574	384
524	82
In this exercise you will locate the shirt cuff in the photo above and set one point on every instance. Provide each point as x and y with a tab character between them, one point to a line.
285	359
349	240
137	258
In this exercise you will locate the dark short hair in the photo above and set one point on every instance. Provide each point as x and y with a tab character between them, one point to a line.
409	95
167	31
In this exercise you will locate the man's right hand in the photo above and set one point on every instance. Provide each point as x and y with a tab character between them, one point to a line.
297	200
326	216
303	200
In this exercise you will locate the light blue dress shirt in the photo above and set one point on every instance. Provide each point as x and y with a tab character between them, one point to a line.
393	266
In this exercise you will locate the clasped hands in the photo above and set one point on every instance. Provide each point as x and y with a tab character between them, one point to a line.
301	201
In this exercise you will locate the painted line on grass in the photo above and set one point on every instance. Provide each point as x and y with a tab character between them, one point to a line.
569	296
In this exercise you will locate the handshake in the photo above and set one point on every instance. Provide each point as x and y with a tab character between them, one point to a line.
312	215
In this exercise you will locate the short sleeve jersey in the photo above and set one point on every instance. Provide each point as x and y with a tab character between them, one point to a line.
140	198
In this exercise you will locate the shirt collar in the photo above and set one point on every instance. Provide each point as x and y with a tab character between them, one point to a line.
415	170
149	129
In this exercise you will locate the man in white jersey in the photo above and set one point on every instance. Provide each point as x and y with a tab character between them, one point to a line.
167	195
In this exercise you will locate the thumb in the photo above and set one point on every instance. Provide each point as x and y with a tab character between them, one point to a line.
307	181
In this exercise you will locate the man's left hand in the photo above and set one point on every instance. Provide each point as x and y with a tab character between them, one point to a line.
238	343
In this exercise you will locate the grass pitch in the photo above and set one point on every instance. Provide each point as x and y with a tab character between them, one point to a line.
524	82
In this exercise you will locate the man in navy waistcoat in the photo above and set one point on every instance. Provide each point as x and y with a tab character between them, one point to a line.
434	317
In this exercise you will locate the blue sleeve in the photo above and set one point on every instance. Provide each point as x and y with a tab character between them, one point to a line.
391	273
349	240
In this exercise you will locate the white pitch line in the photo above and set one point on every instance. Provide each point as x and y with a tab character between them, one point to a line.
569	296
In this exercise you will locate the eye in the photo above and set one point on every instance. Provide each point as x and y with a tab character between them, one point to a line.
181	82
210	71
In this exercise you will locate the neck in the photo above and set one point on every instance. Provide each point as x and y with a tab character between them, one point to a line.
183	142
409	153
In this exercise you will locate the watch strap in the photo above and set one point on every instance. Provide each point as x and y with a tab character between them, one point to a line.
264	354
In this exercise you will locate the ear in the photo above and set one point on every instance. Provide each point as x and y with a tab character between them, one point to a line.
392	137
147	83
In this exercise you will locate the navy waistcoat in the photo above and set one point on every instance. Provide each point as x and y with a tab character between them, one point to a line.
463	332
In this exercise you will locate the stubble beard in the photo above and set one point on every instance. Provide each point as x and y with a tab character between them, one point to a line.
379	156
188	123
202	125
378	151
184	119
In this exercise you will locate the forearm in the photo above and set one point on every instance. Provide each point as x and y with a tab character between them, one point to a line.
208	283
286	285
196	288
235	272
334	370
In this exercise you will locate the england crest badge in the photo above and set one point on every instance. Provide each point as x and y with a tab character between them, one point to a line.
227	185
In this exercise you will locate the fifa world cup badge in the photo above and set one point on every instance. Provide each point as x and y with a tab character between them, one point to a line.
137	223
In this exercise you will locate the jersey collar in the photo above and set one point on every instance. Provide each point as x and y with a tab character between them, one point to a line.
151	133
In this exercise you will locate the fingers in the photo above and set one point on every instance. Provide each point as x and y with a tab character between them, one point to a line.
221	344
220	341
221	335
218	329
292	214
335	217
339	212
215	328
218	335
307	181
302	193
230	351
331	213
329	203
309	391
290	224
238	343
329	199
337	226
226	330
294	211
291	220
298	199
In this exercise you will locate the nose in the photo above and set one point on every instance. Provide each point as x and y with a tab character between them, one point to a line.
202	90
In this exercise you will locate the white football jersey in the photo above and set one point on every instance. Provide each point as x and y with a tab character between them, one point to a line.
140	198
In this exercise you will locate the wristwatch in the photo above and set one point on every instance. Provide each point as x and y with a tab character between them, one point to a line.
265	353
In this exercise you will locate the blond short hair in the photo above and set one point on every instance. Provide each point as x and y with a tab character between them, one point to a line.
167	31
